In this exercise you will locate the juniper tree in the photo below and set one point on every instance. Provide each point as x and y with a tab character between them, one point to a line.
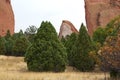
80	51
8	43
69	45
2	46
20	45
46	53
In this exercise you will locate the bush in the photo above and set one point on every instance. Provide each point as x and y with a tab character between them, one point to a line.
110	55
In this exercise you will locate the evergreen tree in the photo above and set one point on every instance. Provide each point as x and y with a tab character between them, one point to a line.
69	45
63	40
8	43
8	35
46	53
2	46
80	52
20	44
18	35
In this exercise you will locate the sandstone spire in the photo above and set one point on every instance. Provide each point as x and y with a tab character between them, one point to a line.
67	28
6	17
100	12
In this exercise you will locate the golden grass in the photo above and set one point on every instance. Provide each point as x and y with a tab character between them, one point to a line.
14	68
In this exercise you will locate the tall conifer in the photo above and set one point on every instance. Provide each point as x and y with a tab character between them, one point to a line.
80	51
46	53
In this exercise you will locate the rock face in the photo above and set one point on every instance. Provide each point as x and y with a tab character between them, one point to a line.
67	28
100	12
6	17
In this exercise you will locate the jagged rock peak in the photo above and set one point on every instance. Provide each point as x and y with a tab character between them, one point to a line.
100	12
6	17
67	28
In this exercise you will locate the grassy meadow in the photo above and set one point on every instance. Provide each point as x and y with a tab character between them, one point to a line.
14	68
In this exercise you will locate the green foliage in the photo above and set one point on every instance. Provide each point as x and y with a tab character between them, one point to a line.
70	41
8	43
99	35
8	35
9	46
15	45
63	40
80	52
112	28
17	35
46	53
2	46
20	45
108	47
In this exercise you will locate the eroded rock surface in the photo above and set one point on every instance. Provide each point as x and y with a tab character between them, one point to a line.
6	17
100	12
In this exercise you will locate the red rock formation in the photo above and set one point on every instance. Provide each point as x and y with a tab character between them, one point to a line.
6	17
100	12
67	28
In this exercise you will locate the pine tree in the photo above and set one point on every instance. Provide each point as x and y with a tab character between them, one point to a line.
46	53
80	52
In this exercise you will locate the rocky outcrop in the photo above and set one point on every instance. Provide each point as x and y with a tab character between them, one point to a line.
100	12
6	17
67	28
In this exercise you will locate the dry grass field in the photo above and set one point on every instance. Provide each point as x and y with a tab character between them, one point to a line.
14	68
